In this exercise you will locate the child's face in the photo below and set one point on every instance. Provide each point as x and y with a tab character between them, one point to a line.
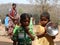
14	6
43	21
25	22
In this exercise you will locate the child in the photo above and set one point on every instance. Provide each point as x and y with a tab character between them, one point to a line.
43	38
12	16
6	22
13	12
22	34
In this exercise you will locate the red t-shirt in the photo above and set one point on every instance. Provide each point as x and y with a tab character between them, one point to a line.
12	12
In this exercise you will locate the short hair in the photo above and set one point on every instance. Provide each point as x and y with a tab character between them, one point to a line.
24	16
13	4
45	14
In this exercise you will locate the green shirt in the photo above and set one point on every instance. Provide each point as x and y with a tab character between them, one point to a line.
20	35
16	27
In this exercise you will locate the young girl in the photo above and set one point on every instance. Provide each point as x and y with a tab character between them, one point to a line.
22	34
43	38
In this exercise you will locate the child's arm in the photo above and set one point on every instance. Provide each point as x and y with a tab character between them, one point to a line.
27	31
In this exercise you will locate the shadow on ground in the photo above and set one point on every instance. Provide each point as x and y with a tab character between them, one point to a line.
5	43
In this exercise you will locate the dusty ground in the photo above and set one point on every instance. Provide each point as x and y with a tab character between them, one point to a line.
4	40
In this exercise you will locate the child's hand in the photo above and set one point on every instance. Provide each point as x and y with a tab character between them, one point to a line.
26	28
32	38
45	28
12	17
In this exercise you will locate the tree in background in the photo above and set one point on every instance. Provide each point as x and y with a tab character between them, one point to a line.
48	5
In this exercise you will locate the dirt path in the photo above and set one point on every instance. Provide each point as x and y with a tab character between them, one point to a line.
4	40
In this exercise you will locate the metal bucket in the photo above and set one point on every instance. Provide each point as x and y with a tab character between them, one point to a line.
52	29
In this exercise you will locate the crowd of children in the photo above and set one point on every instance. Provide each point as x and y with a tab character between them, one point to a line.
21	30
